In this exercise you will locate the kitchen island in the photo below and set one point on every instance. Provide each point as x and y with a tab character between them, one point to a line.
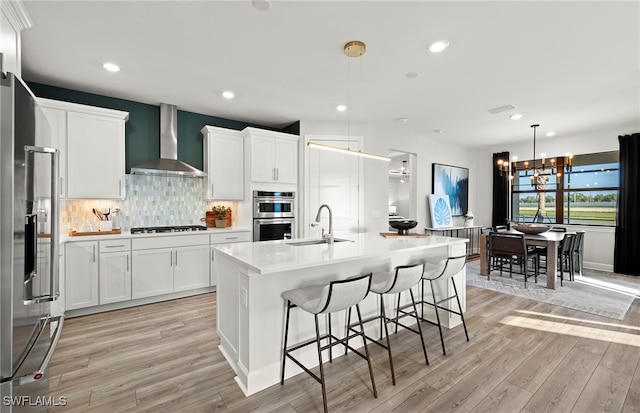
252	275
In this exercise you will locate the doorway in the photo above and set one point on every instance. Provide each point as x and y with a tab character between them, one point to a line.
402	185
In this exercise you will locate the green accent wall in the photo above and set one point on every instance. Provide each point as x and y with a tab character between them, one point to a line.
142	130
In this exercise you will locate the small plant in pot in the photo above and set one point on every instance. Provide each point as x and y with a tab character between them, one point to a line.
221	212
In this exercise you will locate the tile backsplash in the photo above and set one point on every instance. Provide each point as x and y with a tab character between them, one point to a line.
151	201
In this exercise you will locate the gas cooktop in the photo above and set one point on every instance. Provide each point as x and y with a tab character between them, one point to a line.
158	230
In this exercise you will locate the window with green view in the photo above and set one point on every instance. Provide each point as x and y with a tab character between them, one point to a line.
588	190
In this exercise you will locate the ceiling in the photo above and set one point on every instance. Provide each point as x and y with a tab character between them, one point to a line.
571	66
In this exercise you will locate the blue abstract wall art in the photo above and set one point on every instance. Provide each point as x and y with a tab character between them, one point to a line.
454	182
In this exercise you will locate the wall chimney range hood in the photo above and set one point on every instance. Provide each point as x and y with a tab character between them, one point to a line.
168	163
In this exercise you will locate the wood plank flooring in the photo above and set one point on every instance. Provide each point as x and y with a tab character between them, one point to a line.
524	356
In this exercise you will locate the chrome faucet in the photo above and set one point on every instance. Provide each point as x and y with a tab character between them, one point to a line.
329	235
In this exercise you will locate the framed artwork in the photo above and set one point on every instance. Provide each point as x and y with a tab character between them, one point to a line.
440	211
454	182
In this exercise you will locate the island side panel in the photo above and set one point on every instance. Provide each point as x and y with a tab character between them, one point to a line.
227	298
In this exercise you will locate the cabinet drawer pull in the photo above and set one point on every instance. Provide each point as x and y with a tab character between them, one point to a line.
232	237
115	246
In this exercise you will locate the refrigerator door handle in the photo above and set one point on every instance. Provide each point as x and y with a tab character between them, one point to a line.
38	374
54	279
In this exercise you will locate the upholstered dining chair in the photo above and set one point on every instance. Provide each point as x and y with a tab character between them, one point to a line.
506	248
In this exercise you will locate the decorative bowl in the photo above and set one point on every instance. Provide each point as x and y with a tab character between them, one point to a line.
531	228
403	227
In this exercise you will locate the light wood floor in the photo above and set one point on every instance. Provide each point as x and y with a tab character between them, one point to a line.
524	356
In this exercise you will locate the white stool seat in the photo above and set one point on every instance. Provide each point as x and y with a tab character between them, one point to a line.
336	296
310	299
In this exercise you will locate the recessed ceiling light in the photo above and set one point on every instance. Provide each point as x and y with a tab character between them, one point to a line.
227	94
516	116
262	5
341	108
412	75
111	67
437	47
550	133
438	131
402	120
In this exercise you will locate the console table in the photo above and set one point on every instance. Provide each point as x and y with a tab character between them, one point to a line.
472	233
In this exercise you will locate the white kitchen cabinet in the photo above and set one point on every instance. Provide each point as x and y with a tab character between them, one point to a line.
191	267
225	238
51	127
162	265
13	19
273	156
81	278
93	143
224	163
115	271
152	272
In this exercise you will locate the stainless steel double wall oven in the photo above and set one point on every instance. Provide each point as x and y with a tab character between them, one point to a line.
273	215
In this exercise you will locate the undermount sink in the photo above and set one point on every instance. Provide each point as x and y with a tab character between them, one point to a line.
314	242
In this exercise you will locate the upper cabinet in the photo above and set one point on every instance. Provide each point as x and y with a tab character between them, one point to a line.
224	163
91	140
273	156
13	19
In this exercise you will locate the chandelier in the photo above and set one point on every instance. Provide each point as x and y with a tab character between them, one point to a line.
538	168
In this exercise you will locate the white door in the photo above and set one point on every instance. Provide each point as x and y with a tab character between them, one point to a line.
333	178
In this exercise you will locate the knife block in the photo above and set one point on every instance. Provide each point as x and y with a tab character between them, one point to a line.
212	216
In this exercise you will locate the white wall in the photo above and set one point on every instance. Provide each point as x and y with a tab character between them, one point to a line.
380	139
599	241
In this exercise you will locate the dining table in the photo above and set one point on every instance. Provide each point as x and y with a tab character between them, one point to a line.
549	239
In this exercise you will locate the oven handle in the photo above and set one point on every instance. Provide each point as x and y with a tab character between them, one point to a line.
274	221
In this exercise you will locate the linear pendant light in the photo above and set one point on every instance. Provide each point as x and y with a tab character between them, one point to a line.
354	48
348	151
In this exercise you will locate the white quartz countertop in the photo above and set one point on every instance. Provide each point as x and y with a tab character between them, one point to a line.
275	256
127	234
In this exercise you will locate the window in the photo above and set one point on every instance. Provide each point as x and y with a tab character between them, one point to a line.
588	190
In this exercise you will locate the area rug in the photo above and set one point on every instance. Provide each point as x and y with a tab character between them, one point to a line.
596	292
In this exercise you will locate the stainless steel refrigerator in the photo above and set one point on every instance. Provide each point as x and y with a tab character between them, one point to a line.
29	242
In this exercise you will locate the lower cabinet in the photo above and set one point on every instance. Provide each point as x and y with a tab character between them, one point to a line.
122	269
166	264
115	271
81	278
225	238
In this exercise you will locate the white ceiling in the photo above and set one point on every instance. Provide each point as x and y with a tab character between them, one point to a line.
571	66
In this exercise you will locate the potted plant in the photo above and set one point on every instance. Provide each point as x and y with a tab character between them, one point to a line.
221	212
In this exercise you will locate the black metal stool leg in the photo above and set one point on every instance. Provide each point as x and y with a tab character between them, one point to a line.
324	389
415	314
346	344
286	335
386	332
455	290
366	352
435	307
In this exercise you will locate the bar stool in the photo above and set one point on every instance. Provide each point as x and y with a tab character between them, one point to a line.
326	299
444	270
401	279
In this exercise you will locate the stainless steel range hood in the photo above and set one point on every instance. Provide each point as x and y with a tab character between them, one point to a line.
168	163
